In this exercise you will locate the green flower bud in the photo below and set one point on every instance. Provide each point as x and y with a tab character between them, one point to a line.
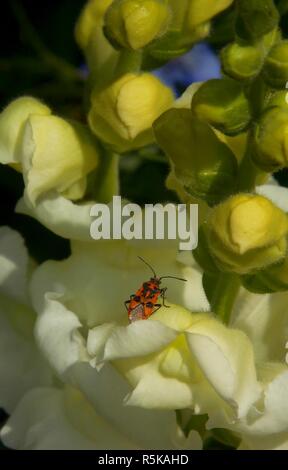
242	62
176	42
205	167
278	98
271	140
270	280
247	233
256	18
134	24
190	22
223	105
275	70
122	114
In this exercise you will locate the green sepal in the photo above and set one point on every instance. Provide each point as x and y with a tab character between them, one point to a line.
204	166
275	71
270	280
103	183
255	18
221	291
222	104
270	140
202	254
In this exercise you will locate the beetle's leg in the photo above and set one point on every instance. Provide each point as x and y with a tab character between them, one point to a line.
163	291
156	307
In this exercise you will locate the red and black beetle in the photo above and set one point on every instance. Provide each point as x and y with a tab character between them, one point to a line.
144	303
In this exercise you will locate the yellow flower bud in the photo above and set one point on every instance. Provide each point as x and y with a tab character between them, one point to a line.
12	121
56	155
133	24
275	71
271	140
91	17
201	11
122	114
247	232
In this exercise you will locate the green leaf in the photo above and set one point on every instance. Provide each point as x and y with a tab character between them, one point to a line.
204	166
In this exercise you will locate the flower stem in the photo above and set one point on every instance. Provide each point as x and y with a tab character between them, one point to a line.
103	184
224	294
128	62
249	175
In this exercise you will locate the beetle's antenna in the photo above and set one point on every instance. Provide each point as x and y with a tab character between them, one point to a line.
147	264
173	277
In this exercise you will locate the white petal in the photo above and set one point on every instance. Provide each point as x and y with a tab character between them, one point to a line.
138	339
13	265
57	334
155	391
264	318
21	365
41	422
226	358
276	194
274	417
96	341
62	216
154	429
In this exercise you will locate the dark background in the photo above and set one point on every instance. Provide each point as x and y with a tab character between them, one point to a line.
22	71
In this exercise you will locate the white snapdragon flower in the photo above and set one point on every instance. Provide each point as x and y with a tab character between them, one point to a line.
22	367
45	412
176	359
56	158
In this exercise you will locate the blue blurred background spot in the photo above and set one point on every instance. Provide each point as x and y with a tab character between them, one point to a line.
199	64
